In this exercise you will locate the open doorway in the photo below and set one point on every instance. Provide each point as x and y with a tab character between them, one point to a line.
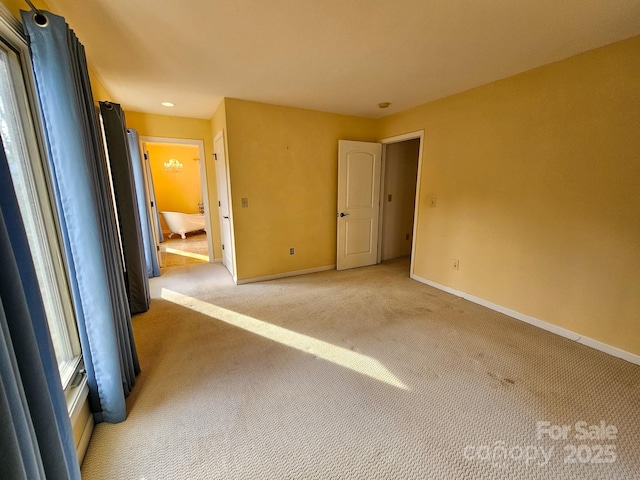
400	174
180	188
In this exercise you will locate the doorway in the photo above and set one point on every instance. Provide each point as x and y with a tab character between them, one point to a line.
180	186
399	182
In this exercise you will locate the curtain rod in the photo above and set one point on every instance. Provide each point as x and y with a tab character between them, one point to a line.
32	7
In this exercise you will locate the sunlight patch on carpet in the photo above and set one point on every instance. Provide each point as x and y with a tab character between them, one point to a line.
197	256
346	358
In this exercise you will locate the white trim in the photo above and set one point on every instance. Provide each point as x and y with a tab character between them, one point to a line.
204	185
77	399
170	140
285	274
13	26
404	137
383	176
76	395
401	138
563	332
83	444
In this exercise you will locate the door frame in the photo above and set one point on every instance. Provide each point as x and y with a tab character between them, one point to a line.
203	180
152	207
227	179
419	134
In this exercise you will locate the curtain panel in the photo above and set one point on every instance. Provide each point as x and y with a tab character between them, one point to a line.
128	211
83	197
137	165
36	439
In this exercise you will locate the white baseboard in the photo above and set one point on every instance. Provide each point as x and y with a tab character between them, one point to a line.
285	274
563	332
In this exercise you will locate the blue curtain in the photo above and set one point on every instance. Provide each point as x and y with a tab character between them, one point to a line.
124	190
36	440
137	164
86	213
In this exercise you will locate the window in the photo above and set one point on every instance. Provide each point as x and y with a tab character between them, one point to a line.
28	173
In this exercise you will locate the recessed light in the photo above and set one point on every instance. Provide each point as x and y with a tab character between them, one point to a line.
167	104
384	104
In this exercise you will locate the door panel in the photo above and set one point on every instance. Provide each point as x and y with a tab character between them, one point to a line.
358	235
223	202
358	203
360	171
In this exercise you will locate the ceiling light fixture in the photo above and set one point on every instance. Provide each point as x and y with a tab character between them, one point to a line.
173	165
384	105
167	104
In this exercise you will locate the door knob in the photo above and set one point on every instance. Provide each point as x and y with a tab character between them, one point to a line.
342	214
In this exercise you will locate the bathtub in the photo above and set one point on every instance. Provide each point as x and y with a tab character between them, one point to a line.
182	223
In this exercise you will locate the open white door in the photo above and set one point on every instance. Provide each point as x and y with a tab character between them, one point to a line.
359	165
151	205
223	201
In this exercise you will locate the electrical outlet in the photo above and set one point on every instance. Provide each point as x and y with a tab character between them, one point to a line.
292	251
245	202
455	264
432	202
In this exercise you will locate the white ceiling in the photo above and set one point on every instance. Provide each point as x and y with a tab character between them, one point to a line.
341	56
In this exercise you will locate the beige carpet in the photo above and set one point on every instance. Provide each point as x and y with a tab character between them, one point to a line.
359	374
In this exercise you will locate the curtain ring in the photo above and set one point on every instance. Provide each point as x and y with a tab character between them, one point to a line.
39	18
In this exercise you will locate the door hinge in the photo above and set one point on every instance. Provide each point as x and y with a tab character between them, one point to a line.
223	246
152	204
215	156
146	157
219	203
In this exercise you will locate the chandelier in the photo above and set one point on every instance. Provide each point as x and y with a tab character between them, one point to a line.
173	165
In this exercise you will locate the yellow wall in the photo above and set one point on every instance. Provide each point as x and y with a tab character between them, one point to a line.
536	179
175	191
100	93
285	161
186	128
14	6
219	120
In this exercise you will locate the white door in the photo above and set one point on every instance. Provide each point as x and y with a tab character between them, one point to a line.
359	165
152	209
223	202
